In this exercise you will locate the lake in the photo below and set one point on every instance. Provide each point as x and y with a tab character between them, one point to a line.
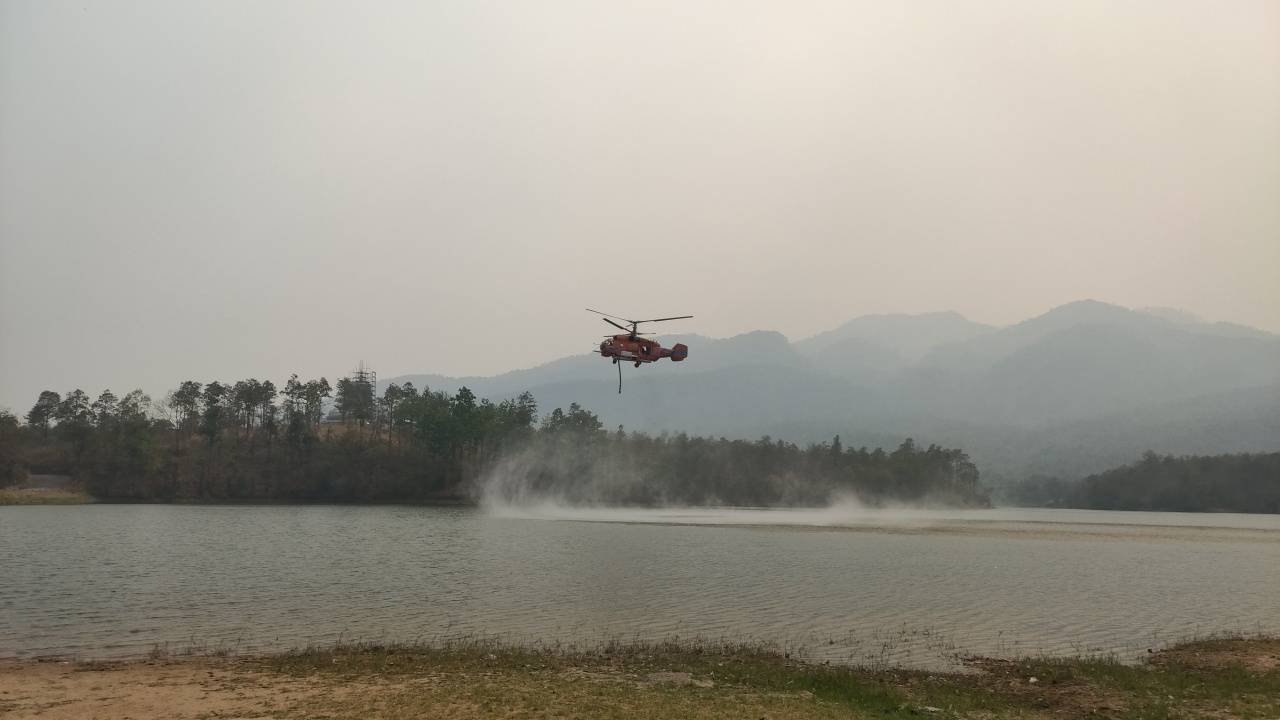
842	584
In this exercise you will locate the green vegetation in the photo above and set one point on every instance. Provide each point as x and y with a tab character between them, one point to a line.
1247	483
673	679
248	441
1209	679
1231	483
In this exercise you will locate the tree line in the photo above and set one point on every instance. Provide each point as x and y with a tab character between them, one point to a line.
1247	483
312	441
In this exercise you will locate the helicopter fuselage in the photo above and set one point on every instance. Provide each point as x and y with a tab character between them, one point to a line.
639	350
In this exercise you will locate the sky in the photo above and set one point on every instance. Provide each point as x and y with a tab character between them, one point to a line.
231	189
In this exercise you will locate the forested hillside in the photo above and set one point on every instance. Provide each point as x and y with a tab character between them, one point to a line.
1244	482
1222	483
249	442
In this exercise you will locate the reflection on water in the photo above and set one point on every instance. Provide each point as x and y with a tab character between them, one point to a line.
845	583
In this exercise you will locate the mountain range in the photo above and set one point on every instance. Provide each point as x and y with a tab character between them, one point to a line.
1083	387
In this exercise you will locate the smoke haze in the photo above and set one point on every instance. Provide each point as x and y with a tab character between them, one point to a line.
237	189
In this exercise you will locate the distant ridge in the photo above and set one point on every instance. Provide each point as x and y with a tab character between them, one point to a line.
908	336
1069	391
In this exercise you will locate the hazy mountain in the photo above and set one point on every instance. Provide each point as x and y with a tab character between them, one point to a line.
761	347
1225	329
740	401
1095	369
1086	359
1246	420
908	337
982	352
1081	387
875	348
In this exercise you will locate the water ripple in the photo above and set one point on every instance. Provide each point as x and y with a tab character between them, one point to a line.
911	588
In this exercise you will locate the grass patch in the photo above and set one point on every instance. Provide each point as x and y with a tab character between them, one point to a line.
1211	678
683	678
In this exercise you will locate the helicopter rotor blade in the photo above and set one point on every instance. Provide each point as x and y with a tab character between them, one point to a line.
677	317
620	327
615	317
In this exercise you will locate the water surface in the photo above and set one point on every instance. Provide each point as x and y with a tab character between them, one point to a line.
910	587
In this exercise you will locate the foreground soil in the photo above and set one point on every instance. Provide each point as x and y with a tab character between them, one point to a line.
1209	679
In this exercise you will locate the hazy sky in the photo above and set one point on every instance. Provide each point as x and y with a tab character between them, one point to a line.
219	190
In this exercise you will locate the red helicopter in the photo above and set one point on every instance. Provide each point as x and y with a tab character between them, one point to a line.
633	348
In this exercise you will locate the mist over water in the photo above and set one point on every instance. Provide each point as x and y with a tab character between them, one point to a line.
510	491
843	512
532	484
584	468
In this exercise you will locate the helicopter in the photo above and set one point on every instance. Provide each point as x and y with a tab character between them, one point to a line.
630	347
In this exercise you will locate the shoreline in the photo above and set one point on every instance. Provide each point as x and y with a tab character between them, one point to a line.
39	496
1227	677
